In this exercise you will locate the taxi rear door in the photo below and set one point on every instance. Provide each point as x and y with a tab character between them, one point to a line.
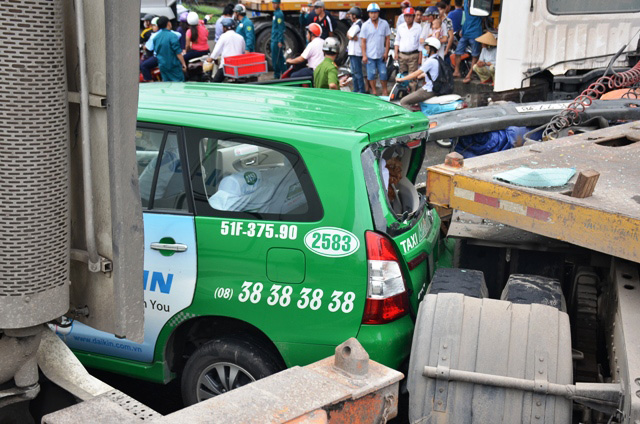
259	221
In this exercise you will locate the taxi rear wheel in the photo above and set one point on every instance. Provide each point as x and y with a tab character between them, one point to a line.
224	364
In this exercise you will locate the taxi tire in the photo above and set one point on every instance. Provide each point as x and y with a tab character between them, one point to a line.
244	353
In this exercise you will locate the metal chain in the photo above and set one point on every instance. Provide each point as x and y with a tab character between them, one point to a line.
388	402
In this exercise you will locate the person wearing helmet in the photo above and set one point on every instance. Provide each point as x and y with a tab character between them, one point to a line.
245	28
430	14
471	29
400	18
277	40
354	50
326	73
407	44
321	18
306	15
313	53
429	71
197	43
375	39
147	30
229	44
183	26
166	45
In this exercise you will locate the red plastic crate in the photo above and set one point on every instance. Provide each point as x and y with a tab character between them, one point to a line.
245	65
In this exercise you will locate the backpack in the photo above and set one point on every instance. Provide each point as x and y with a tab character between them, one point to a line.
444	82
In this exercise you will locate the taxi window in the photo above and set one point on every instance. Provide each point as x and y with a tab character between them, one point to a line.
160	170
237	177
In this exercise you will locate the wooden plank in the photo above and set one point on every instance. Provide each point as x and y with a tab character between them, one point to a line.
585	184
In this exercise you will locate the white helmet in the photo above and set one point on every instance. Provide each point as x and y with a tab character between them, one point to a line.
373	7
433	42
192	18
331	45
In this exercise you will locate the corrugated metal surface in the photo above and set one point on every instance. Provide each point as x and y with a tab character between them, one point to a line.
34	221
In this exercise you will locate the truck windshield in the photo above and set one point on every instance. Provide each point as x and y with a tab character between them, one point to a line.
581	7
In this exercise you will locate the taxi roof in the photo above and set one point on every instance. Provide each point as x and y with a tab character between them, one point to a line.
331	109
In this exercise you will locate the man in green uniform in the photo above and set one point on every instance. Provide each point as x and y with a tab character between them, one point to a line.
168	52
326	73
277	40
245	28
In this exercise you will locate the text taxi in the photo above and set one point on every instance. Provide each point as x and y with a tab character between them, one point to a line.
278	223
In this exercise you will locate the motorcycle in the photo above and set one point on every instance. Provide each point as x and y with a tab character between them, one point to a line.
392	64
345	78
432	106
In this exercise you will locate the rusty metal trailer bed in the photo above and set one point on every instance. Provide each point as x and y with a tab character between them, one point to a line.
608	221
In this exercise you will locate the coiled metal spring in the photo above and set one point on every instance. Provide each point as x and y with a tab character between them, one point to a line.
571	116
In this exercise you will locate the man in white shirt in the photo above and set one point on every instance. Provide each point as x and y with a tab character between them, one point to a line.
375	38
354	49
429	71
407	44
313	53
230	43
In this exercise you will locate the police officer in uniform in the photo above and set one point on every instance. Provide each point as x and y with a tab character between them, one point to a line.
277	40
245	28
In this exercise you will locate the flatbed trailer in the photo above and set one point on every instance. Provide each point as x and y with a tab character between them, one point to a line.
547	331
607	221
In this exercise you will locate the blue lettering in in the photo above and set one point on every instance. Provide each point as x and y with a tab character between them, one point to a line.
158	280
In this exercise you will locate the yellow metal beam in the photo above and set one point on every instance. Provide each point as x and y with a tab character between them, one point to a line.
592	228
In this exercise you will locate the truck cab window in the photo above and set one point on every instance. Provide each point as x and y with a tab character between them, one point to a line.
160	170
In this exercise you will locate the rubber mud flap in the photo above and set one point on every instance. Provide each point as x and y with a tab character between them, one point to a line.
455	280
456	332
527	289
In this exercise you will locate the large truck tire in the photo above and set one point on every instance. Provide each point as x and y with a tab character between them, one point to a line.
292	40
455	280
340	32
528	289
457	332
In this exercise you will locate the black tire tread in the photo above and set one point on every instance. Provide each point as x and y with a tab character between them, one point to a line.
468	282
528	289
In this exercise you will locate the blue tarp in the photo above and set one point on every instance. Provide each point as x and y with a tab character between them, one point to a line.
489	142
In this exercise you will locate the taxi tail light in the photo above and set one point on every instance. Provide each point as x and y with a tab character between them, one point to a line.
414	143
387	296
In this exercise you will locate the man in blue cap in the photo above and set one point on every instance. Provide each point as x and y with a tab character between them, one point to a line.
277	40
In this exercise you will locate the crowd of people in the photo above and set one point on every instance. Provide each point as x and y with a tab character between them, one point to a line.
169	50
420	35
